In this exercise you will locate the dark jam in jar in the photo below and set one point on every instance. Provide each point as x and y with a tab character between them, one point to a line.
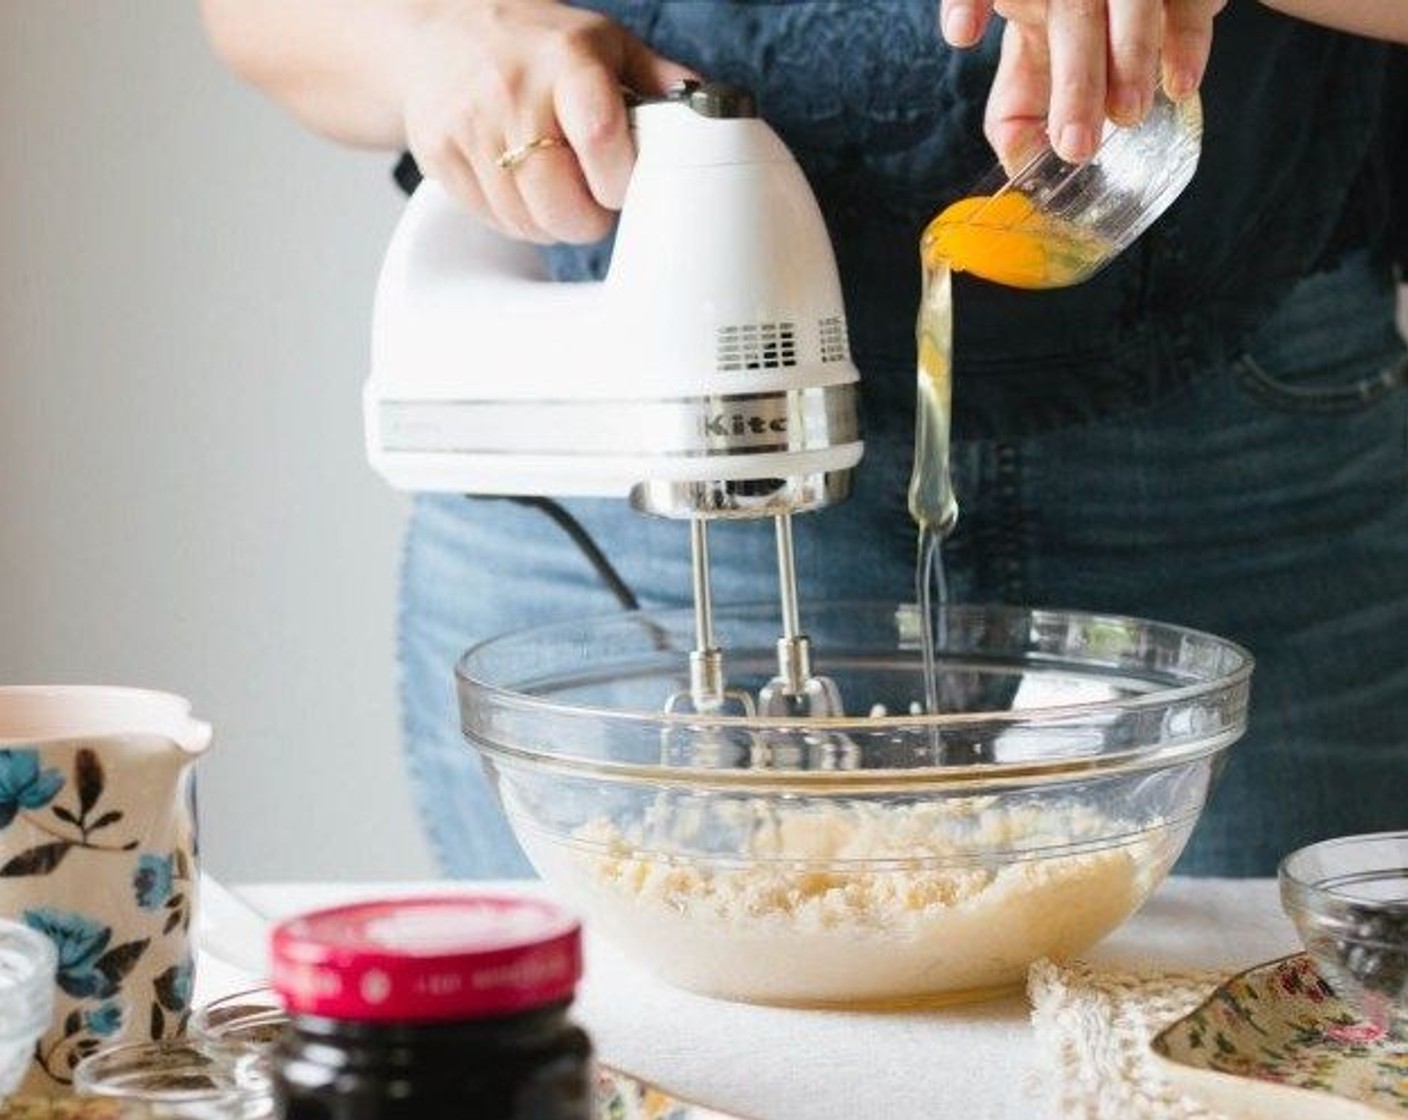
432	1009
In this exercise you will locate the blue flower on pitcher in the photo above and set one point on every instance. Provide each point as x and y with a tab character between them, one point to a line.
104	1020
80	943
153	880
23	785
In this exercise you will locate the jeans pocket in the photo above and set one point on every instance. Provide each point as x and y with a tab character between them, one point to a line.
1321	395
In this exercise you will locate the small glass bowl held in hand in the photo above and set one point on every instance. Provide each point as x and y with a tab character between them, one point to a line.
27	965
1348	898
176	1080
1051	224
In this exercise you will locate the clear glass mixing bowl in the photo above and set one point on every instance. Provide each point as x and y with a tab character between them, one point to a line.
875	859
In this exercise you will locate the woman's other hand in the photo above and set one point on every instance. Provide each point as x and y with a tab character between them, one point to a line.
485	78
1066	65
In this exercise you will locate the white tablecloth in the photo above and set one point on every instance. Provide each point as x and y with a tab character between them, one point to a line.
974	1063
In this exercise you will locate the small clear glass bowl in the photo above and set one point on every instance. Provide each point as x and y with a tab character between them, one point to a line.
27	965
1348	898
177	1079
239	1025
858	860
1078	216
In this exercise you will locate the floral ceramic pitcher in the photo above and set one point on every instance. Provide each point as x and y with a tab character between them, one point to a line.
98	852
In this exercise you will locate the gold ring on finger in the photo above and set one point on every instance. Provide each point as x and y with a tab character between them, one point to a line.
510	158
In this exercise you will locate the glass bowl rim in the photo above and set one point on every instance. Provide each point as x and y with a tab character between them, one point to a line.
1054	712
1301	893
202	1031
869	780
226	1082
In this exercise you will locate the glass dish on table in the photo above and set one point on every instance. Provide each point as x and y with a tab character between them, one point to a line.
27	965
1348	899
176	1080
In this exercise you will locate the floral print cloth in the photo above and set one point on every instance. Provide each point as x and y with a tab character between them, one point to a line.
1283	1025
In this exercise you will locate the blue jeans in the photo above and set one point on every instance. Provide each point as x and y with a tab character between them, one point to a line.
1265	500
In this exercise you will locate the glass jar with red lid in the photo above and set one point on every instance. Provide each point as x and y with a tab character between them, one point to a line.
431	1008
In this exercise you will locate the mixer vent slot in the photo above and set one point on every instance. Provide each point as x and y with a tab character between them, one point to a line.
834	347
757	346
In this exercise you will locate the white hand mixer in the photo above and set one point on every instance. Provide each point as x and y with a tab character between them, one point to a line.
707	376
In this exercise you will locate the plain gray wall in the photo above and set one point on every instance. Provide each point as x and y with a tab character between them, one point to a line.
185	284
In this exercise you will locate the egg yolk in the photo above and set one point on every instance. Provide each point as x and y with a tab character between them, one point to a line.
1003	238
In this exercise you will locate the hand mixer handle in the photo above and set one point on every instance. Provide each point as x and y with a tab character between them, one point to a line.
439	253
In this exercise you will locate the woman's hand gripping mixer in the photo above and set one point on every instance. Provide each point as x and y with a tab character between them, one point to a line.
707	376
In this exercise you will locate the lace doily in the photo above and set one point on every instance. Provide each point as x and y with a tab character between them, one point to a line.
1093	1030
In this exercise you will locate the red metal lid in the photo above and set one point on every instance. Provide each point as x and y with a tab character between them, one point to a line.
427	959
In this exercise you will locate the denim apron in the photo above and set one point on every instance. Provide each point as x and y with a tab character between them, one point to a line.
1213	431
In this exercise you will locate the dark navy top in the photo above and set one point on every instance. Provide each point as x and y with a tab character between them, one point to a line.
887	122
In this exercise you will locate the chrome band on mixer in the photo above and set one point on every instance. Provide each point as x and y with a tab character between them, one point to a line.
742	498
788	420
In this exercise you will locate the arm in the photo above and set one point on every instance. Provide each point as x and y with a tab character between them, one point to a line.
1374	19
459	82
332	64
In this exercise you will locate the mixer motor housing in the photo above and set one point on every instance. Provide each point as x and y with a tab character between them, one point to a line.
708	375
